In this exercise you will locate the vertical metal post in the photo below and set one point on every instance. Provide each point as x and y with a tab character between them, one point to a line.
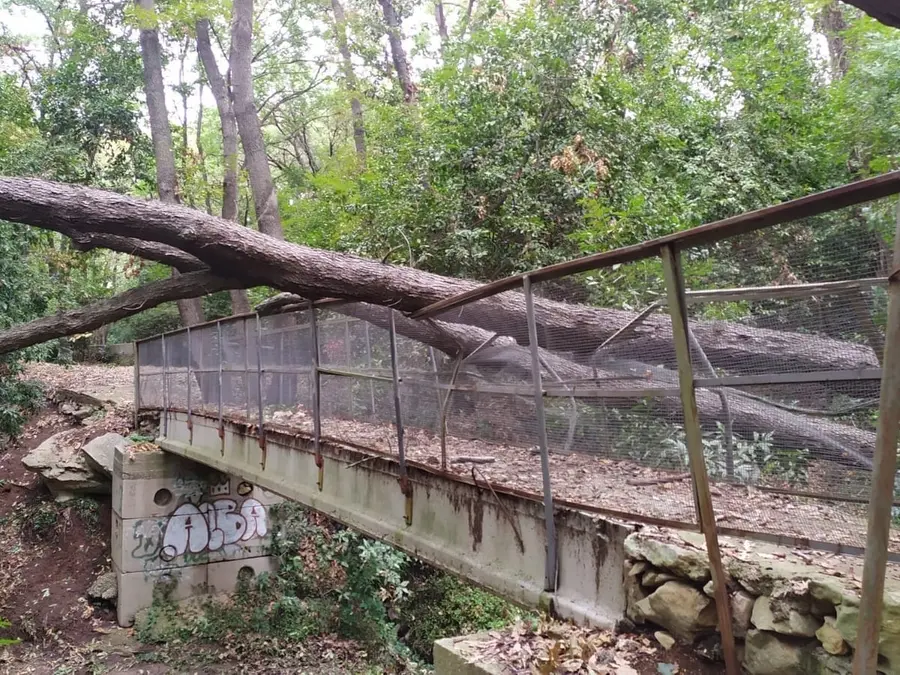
405	486
220	351
551	559
247	365
884	470
437	386
261	420
369	364
137	385
190	374
349	355
676	301
317	394
165	419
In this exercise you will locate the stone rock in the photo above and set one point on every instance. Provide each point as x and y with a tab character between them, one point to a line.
767	654
831	638
653	578
64	469
682	562
827	589
634	593
681	609
741	610
105	587
663	638
82	413
100	451
847	624
637	568
710	588
795	623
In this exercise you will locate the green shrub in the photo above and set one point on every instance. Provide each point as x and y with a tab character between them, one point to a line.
440	605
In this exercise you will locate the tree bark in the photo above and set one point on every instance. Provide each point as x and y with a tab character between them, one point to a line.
441	23
265	198
340	33
229	249
258	259
240	303
398	53
831	23
108	311
191	311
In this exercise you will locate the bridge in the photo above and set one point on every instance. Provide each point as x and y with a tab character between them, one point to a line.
516	436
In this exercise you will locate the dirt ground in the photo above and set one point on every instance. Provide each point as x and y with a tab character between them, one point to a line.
52	553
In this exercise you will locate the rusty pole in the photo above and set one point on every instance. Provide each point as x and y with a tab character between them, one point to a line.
317	394
676	300
550	569
884	470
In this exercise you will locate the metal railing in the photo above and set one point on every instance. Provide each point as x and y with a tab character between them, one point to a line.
770	385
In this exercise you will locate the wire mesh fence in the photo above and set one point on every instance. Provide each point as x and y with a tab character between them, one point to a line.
785	331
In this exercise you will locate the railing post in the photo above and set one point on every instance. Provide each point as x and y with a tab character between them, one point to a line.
165	359
190	360
884	470
405	486
703	499
261	429
550	564
369	364
247	365
317	394
137	385
221	359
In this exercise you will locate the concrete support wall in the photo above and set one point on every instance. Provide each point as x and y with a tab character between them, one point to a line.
182	529
491	536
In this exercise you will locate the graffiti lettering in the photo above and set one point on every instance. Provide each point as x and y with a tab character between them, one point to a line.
210	526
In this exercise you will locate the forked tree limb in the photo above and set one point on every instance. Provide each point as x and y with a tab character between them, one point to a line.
135	301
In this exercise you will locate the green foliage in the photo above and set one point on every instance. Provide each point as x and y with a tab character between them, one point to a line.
6	642
18	398
439	606
332	580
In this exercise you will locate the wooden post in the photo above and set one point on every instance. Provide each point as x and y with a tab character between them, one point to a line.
884	468
703	499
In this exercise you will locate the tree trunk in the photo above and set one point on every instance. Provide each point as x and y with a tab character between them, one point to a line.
261	260
191	311
441	23
108	311
240	303
263	187
340	33
398	53
831	23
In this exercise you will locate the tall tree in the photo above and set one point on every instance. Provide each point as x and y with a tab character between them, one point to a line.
240	303
340	35
265	198
191	310
398	52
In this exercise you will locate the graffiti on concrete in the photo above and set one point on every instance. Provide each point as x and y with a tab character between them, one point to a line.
210	526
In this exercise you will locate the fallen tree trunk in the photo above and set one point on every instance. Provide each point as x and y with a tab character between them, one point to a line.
83	319
259	259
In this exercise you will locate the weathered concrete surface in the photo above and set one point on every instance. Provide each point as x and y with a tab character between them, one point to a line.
495	538
186	529
458	656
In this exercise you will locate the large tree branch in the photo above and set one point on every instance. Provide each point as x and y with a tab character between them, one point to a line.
83	319
262	260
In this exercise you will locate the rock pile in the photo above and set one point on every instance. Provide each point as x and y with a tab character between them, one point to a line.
70	468
789	617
